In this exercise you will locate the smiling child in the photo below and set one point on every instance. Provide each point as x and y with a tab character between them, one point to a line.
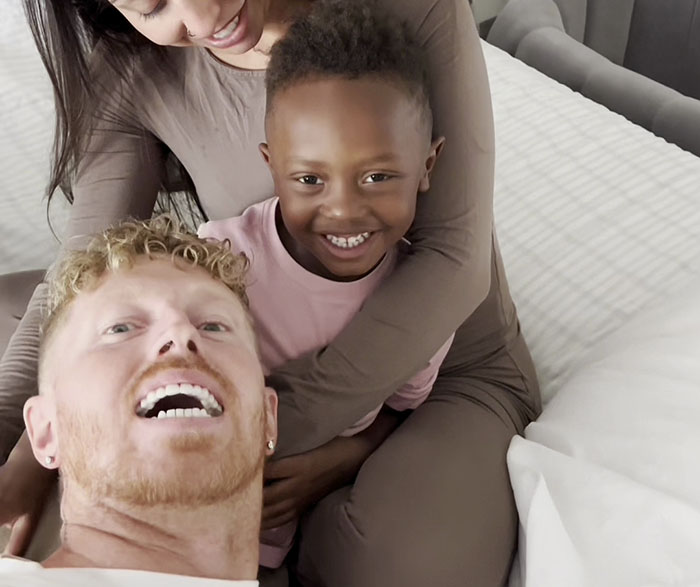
350	147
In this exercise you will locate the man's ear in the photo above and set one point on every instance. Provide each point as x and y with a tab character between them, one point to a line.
433	154
265	152
41	430
270	399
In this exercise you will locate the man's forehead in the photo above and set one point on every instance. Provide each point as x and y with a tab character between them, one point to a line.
157	278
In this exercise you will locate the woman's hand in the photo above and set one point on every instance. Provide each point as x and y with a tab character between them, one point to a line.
24	486
292	484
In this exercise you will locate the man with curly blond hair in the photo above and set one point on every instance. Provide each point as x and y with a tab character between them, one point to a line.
153	408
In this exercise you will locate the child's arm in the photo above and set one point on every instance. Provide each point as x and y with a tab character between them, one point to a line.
294	483
415	391
448	274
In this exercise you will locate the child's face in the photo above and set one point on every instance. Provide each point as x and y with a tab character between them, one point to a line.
348	158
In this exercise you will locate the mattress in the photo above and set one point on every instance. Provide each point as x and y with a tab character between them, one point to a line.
599	223
596	217
26	134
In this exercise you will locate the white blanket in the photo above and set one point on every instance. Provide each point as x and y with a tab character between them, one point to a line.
608	481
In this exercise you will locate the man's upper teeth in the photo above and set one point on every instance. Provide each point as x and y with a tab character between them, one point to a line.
348	242
210	407
225	32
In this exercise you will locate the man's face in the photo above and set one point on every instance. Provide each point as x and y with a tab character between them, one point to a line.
156	387
348	158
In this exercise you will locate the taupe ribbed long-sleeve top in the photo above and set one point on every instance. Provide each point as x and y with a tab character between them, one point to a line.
210	116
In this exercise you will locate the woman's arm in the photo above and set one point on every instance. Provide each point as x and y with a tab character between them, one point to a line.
447	275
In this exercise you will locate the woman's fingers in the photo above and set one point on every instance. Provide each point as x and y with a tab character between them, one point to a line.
287	467
279	520
279	491
286	510
21	535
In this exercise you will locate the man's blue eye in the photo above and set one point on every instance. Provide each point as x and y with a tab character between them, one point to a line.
118	329
212	327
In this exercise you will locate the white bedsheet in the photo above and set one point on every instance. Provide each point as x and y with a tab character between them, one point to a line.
597	218
600	231
26	133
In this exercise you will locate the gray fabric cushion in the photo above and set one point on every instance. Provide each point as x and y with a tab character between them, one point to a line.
664	43
535	32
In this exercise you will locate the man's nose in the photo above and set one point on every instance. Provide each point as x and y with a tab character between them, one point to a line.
180	339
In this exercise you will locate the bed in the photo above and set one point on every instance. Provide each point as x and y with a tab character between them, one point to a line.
599	225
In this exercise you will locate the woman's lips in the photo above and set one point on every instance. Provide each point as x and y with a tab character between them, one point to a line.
231	34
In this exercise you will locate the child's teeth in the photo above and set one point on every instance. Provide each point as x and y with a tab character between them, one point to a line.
349	242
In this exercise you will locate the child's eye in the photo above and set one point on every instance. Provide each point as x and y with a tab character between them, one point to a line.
120	328
213	327
377	177
310	180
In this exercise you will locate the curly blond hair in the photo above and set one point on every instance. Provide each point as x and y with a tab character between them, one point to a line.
120	246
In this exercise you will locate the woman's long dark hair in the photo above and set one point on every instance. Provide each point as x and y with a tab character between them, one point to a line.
66	32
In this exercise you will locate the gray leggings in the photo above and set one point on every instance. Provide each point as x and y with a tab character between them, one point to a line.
433	505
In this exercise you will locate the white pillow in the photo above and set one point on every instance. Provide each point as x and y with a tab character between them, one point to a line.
607	479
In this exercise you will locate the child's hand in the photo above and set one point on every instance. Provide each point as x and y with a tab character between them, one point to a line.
295	483
24	486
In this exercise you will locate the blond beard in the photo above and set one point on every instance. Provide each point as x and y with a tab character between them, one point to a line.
128	481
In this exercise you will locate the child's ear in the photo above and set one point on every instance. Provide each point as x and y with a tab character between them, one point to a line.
265	152
433	154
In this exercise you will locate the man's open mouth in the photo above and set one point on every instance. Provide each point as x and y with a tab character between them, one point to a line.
181	400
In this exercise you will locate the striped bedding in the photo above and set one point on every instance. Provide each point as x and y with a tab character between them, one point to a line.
26	132
596	217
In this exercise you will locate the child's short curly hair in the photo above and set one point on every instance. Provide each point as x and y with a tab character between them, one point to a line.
348	39
119	247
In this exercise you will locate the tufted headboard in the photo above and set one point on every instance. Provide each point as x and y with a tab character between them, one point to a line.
640	58
657	38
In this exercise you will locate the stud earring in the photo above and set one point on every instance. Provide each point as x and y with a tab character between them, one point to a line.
49	460
271	444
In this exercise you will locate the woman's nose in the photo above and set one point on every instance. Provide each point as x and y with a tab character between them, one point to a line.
200	17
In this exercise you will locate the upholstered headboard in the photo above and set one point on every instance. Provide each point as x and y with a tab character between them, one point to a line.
640	58
657	38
